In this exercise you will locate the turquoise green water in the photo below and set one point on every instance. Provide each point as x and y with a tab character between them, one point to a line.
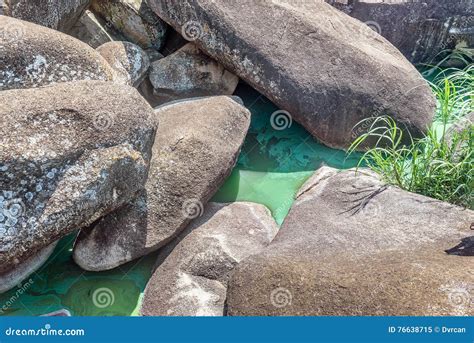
60	283
272	166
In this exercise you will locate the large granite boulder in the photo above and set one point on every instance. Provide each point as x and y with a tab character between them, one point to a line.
421	30
192	274
190	73
56	14
128	60
310	59
354	246
71	153
32	56
134	20
196	147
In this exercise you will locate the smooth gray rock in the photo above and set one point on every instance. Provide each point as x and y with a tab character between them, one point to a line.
189	73
32	56
56	14
354	246
196	147
128	60
191	278
71	153
310	59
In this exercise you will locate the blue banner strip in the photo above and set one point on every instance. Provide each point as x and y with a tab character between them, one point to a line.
234	329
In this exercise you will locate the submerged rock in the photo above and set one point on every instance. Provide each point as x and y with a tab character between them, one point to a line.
354	246
71	153
192	275
422	30
128	60
59	313
134	20
189	73
328	70
15	276
33	56
196	147
55	14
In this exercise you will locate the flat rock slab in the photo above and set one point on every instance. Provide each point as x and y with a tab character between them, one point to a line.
328	70
71	153
191	278
354	246
32	56
196	148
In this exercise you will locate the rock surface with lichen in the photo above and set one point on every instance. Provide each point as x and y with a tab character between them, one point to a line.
32	56
55	14
70	154
197	145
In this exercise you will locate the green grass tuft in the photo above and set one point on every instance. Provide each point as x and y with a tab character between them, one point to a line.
439	165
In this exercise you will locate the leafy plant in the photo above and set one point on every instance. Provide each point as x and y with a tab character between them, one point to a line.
440	164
